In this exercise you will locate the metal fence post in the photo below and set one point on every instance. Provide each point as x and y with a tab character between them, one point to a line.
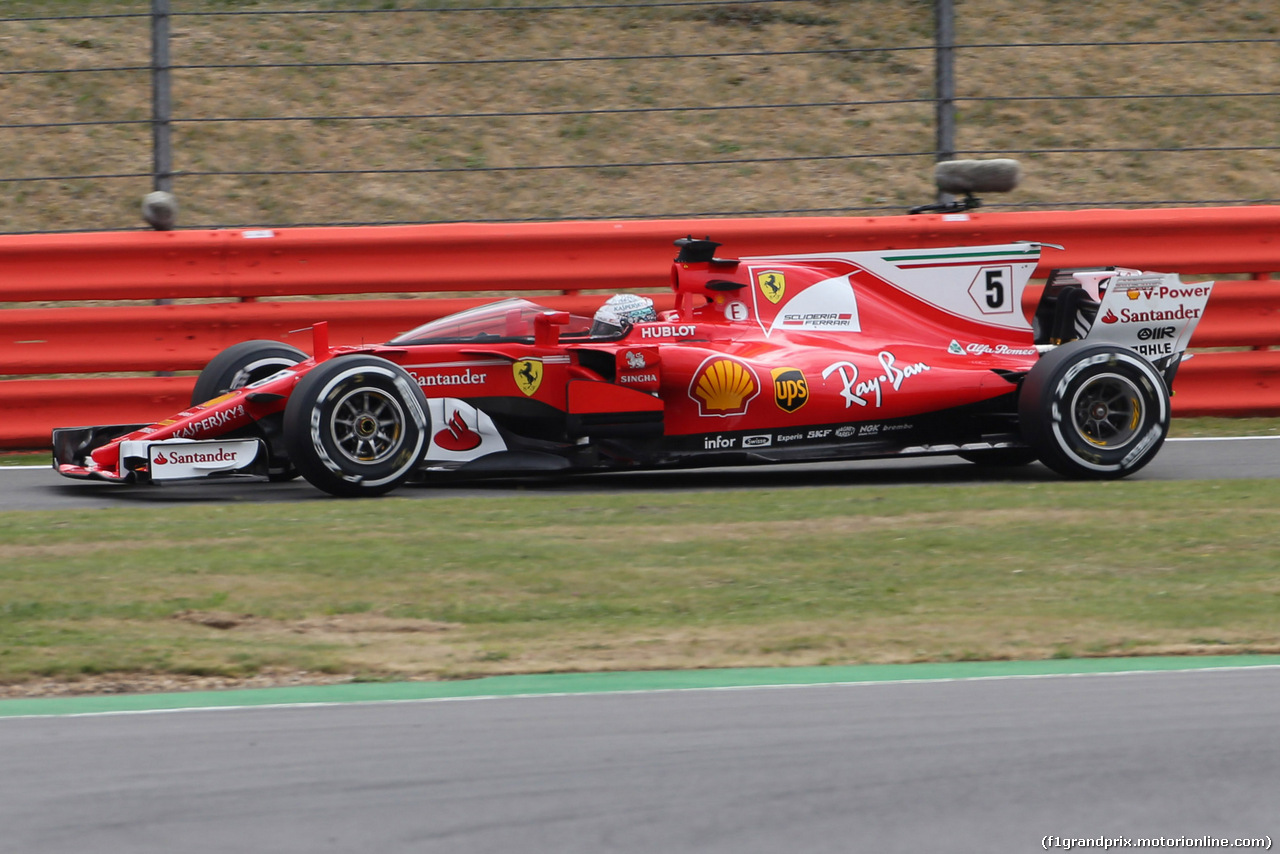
945	83
161	98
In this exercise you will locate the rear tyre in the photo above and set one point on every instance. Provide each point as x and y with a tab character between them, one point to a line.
356	425
1094	410
241	365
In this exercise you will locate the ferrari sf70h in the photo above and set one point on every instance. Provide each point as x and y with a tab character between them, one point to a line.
781	359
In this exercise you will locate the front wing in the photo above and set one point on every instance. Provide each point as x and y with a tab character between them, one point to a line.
143	461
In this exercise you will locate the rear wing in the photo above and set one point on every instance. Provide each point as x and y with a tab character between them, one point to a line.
1154	314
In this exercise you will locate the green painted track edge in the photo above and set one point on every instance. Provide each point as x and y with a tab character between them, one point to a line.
630	681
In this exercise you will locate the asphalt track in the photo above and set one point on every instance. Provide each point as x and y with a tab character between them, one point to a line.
990	762
975	757
40	488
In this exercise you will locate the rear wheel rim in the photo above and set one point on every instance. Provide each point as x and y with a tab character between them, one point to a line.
1107	410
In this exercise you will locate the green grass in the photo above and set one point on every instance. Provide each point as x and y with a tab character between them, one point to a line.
1190	428
24	458
453	587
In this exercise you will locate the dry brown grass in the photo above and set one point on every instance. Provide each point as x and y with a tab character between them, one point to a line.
875	179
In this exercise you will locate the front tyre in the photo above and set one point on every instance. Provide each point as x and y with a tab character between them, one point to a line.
356	425
1094	410
243	364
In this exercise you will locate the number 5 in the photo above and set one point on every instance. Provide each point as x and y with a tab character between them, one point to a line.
995	288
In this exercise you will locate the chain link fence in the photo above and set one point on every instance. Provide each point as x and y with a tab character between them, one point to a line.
277	113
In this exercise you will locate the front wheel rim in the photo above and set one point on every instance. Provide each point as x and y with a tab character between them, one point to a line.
368	425
1107	410
259	369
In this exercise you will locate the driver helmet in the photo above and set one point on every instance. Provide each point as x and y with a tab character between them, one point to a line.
620	311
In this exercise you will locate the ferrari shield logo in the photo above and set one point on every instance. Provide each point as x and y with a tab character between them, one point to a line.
528	375
772	284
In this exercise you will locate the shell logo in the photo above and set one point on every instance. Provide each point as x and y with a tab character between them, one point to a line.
723	387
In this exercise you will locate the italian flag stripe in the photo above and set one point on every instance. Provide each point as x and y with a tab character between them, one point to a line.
941	258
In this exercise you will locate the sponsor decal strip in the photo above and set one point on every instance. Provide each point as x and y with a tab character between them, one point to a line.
991	349
865	430
466	377
1155	315
213	421
221	455
857	391
655	331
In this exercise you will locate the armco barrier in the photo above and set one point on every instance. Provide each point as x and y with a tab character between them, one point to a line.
268	282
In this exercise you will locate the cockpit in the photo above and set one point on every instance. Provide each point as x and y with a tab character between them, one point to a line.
512	320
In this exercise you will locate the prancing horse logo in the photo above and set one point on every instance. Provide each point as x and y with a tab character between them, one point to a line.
772	284
528	375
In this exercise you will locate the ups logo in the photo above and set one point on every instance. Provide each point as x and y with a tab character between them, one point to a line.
790	389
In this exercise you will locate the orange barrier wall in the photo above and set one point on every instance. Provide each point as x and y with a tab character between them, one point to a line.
251	271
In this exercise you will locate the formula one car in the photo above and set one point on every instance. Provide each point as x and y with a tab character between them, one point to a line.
791	358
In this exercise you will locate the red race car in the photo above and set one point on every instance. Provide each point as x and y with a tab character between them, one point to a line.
792	358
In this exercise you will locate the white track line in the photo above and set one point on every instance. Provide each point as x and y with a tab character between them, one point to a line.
534	695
